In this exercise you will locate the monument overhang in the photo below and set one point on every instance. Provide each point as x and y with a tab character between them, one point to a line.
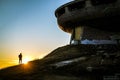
104	16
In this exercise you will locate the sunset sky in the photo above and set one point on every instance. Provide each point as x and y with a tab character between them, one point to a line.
29	27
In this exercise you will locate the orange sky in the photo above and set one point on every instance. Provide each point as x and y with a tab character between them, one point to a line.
29	27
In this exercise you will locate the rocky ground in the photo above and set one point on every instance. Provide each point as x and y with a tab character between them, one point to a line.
71	62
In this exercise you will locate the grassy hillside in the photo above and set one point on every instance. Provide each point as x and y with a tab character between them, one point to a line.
87	62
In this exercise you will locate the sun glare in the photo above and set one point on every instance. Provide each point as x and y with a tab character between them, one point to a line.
26	60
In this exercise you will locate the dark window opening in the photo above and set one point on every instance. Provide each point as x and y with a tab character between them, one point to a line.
98	2
77	6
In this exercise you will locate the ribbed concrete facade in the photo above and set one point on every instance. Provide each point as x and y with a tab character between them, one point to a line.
105	15
99	18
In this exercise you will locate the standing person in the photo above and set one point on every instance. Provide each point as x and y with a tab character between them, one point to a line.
20	58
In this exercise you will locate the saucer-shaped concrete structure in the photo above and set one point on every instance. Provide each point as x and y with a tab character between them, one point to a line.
99	15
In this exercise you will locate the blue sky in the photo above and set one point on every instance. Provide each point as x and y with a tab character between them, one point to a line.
30	27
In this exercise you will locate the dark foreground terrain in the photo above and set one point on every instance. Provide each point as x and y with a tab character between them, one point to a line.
71	62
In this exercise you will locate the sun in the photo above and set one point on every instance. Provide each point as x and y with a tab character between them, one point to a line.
26	60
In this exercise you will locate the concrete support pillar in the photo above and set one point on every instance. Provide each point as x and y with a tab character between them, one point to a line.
76	35
72	36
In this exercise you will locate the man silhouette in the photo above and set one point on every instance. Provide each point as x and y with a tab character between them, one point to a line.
20	58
